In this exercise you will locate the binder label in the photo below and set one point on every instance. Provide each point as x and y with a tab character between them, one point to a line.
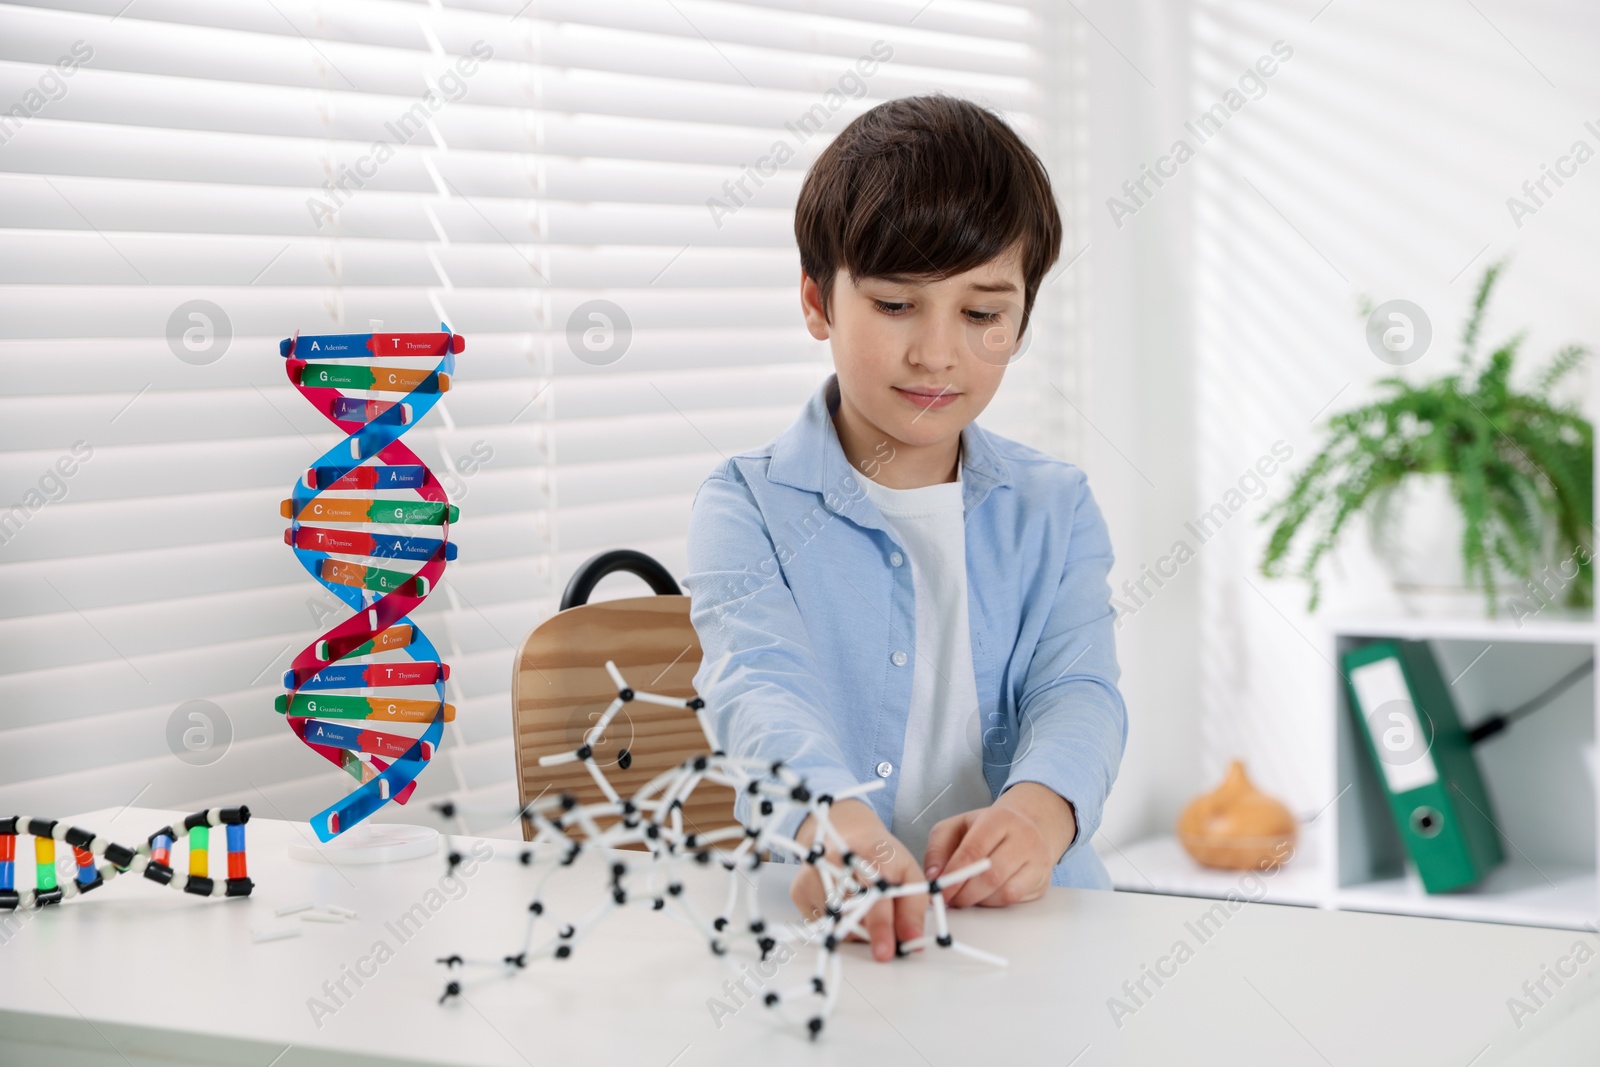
1394	723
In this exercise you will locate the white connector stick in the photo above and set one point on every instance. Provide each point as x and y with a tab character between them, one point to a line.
661	842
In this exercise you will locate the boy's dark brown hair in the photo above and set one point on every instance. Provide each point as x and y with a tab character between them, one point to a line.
927	186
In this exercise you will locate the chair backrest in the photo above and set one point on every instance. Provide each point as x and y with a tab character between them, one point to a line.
560	686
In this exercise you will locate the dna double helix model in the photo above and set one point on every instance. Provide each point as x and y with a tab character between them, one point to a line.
345	525
153	859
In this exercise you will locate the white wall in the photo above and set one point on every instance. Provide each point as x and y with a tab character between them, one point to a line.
1378	163
1139	382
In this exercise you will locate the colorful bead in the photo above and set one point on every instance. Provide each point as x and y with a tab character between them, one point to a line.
236	854
44	855
161	849
199	851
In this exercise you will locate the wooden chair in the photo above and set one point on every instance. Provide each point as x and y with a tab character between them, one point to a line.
559	687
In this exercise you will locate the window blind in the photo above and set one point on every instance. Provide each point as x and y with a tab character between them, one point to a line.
185	182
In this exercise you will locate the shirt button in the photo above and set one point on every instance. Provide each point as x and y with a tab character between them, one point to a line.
898	659
885	769
896	558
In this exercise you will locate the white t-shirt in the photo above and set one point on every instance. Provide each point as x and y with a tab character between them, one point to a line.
941	768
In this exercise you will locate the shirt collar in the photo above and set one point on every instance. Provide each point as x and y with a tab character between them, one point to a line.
808	456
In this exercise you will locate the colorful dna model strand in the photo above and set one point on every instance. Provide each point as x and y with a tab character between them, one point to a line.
652	819
153	859
343	532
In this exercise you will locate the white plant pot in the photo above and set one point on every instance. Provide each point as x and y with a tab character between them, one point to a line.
1415	530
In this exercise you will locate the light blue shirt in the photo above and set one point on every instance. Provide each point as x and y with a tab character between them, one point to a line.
796	577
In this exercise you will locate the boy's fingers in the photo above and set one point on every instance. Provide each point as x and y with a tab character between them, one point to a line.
1004	860
806	892
1019	887
944	839
975	890
983	836
1008	870
880	930
909	915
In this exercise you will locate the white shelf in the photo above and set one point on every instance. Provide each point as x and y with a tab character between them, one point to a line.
1542	789
1516	893
1546	627
1540	775
1160	865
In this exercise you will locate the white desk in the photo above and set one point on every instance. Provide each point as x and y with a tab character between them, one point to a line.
136	974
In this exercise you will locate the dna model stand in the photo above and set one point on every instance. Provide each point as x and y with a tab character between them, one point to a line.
367	504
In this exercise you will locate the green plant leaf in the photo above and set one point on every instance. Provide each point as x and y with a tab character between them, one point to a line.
1521	468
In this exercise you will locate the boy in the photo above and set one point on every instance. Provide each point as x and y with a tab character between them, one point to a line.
902	595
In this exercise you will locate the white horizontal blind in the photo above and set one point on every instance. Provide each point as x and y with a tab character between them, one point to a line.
315	166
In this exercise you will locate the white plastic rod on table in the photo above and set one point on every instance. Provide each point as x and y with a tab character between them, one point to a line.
651	824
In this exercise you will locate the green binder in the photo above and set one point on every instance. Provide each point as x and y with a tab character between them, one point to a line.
1424	761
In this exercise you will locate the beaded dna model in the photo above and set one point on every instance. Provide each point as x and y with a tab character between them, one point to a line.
319	703
153	859
653	819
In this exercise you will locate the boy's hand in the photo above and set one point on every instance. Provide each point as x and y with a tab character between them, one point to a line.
1023	834
889	920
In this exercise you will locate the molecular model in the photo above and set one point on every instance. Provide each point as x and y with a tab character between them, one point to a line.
341	533
153	859
653	819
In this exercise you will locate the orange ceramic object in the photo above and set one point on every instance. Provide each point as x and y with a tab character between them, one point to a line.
1237	827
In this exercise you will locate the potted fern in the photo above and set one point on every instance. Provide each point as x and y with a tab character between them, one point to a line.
1469	484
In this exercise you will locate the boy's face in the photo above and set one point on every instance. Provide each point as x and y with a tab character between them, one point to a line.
919	359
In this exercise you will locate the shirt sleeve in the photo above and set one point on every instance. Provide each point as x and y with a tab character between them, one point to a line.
1074	724
768	700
